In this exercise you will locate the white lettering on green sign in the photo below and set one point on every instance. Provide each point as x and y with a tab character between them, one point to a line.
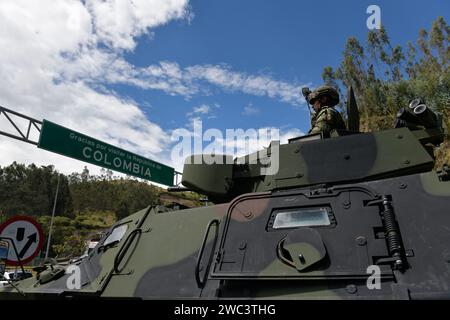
76	145
102	159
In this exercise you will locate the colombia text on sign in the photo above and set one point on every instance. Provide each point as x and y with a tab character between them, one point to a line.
76	145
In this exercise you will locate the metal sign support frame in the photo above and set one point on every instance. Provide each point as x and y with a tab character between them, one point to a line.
37	124
25	137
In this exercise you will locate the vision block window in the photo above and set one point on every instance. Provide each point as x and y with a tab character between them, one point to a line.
116	235
300	217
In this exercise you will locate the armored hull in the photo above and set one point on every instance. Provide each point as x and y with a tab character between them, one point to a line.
355	216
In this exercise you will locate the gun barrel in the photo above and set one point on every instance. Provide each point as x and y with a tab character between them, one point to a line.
414	103
411	119
426	116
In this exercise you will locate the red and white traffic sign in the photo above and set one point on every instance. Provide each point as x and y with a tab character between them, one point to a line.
27	236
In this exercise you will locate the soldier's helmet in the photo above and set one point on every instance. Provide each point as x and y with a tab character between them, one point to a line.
321	91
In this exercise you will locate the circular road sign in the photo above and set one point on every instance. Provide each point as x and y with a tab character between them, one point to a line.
27	236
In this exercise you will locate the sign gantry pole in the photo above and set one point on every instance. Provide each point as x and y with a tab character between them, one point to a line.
53	216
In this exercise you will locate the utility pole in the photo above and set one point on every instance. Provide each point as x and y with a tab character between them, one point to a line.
53	216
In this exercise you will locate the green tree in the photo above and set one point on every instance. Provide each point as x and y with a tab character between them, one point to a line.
384	78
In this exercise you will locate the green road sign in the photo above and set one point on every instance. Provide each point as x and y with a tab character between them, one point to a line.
56	138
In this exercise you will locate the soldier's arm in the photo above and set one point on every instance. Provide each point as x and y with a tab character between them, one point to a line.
322	123
321	126
313	121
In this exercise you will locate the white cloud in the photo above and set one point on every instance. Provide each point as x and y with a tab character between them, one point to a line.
52	51
57	56
197	112
250	110
203	109
199	79
259	85
118	22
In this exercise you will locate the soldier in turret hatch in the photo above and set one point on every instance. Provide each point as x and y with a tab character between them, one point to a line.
326	118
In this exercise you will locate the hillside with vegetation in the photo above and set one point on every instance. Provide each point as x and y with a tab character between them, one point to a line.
87	204
386	77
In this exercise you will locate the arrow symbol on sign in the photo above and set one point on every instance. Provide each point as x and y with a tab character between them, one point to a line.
32	238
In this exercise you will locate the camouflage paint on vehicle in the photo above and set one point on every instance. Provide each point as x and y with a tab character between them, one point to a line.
336	207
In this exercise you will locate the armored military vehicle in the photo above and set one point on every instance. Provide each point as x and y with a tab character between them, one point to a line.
351	216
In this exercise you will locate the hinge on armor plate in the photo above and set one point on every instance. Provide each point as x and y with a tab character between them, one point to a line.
397	252
444	173
319	189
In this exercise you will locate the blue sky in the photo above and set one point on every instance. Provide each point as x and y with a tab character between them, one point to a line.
290	40
132	72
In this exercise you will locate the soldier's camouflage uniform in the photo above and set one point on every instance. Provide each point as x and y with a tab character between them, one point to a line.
326	120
